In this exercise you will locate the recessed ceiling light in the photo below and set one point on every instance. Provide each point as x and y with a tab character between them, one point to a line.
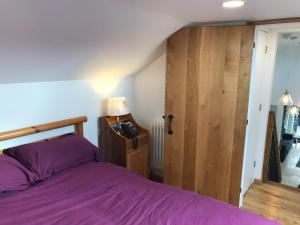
233	4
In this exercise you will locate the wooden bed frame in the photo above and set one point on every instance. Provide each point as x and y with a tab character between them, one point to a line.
77	122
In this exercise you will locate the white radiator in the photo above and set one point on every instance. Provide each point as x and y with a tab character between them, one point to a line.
157	148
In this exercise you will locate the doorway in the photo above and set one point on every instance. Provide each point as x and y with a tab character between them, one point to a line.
285	103
267	64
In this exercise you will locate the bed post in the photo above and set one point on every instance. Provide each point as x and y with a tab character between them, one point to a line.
79	129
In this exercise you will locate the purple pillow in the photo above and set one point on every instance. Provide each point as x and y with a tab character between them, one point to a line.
13	175
48	157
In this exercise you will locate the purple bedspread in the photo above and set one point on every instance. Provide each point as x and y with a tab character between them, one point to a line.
102	193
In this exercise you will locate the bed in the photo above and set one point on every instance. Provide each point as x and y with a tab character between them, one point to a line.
102	193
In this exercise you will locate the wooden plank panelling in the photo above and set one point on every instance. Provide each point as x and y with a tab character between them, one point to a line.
191	115
176	68
243	86
210	70
229	98
215	157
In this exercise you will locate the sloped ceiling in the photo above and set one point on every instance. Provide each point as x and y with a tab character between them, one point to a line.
50	40
46	40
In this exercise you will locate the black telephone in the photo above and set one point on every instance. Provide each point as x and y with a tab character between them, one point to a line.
130	131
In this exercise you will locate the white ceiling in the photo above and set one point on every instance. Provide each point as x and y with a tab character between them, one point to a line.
211	10
46	40
43	40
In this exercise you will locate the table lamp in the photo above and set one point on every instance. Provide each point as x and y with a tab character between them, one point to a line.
117	107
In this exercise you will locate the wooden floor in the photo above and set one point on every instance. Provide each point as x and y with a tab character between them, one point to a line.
274	202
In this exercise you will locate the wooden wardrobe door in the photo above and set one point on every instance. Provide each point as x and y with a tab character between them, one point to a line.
207	88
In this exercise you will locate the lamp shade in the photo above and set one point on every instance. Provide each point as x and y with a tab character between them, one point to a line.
117	106
286	99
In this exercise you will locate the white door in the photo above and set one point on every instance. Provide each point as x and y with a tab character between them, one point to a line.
259	106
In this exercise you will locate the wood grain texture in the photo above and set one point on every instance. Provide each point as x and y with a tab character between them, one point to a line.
138	160
274	202
176	70
296	189
79	129
240	122
229	97
204	73
269	138
216	153
120	150
206	150
191	115
77	122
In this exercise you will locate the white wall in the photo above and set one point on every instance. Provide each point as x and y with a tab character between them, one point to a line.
267	75
293	67
280	84
149	86
260	94
253	110
27	104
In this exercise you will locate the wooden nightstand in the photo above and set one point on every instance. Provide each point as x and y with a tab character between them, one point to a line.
120	150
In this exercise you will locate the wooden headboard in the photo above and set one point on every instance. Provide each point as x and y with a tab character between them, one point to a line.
77	122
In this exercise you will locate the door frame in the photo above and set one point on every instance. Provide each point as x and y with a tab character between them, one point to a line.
275	21
261	23
262	74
